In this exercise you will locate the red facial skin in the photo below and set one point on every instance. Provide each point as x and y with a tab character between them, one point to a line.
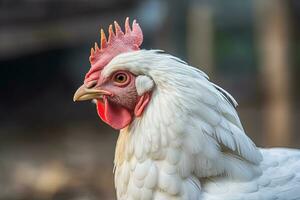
119	108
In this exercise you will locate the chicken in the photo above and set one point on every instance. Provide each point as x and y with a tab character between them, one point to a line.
180	135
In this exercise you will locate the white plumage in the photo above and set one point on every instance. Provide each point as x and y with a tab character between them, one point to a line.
189	143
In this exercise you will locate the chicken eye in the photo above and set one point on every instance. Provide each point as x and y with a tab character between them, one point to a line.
120	78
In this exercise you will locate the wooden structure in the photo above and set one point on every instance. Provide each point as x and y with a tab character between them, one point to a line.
273	38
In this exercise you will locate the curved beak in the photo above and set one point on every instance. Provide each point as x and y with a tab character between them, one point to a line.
84	93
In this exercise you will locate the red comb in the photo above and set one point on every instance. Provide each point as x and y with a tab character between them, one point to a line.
118	42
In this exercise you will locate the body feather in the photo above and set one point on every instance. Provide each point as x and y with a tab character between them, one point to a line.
189	143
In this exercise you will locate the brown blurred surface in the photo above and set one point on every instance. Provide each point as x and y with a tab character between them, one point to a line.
71	162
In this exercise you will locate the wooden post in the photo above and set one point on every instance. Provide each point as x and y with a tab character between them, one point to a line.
200	37
272	36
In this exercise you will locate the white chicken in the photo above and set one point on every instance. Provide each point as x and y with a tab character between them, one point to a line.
180	135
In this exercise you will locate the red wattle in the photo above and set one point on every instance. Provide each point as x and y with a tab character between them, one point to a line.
100	110
113	114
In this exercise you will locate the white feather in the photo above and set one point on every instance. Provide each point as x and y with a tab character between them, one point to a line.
190	144
143	84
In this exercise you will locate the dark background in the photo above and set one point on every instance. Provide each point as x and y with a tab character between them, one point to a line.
52	148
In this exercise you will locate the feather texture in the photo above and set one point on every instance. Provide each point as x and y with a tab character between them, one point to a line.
189	143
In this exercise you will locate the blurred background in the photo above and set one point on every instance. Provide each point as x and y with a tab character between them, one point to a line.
52	148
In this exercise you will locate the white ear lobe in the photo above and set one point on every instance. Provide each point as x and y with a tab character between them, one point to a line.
143	84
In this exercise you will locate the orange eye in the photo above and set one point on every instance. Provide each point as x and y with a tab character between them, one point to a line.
120	78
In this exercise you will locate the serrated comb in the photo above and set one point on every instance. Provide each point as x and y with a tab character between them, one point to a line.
118	42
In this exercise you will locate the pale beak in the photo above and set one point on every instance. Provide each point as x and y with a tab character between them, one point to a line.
84	93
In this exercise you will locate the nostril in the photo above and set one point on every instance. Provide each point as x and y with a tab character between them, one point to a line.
91	84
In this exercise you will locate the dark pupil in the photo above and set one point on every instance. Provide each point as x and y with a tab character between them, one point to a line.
121	78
